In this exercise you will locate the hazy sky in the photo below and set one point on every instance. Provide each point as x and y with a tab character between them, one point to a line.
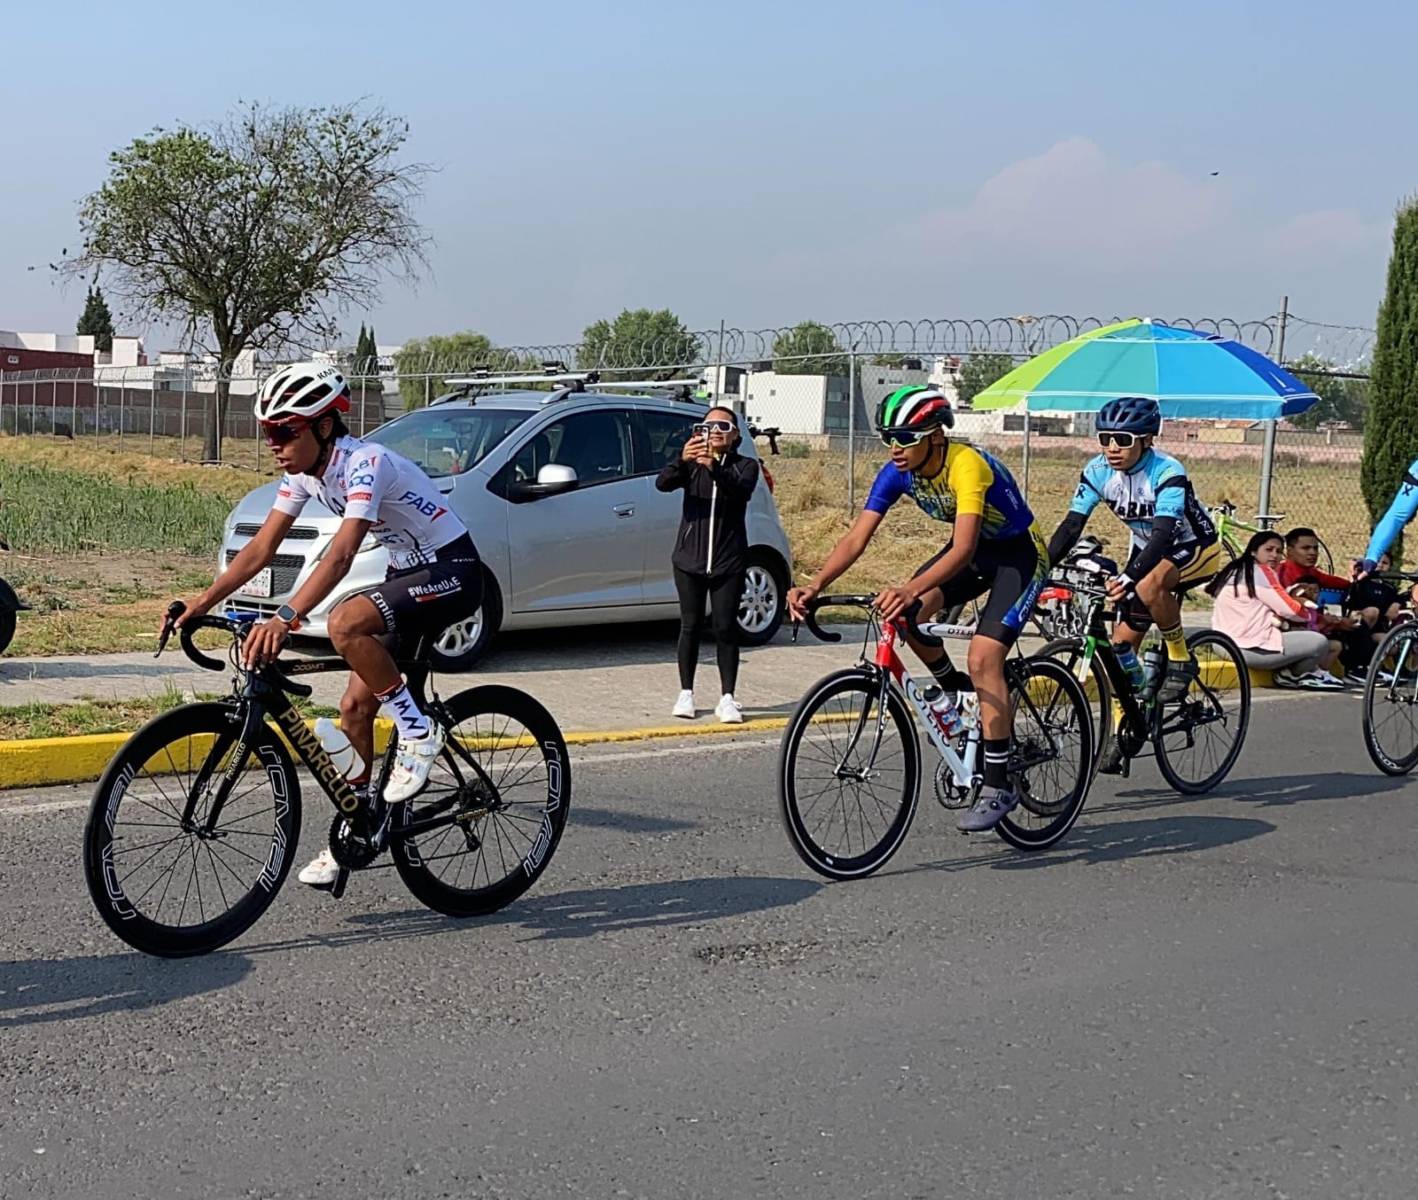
767	162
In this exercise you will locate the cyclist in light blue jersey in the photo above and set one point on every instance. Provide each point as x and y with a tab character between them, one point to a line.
1400	512
1174	543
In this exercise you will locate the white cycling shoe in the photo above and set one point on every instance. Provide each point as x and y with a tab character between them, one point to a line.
412	764
321	871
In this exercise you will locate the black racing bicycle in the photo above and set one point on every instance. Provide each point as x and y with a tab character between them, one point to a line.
194	825
1198	736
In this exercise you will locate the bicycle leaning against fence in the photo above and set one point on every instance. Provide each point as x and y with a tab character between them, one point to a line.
1196	737
1229	526
849	768
194	825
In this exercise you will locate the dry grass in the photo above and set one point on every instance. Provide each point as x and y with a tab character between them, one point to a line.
811	495
108	716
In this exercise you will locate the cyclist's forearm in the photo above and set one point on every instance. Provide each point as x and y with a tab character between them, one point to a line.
1391	524
1066	536
328	572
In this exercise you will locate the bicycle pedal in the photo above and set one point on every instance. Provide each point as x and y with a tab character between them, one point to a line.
337	889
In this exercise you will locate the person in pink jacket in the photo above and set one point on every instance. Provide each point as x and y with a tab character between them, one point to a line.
1269	625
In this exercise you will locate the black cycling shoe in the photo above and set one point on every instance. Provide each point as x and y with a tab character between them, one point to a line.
1112	761
1180	676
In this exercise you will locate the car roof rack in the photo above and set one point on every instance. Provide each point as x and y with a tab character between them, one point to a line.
570	383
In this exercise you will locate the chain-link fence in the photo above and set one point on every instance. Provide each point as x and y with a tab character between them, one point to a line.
817	384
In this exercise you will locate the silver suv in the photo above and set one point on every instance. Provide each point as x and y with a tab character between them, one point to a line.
584	543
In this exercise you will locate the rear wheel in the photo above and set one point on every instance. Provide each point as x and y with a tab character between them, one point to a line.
848	775
167	877
1391	702
1199	736
494	808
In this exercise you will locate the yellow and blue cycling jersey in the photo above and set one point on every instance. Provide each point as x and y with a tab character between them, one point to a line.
970	481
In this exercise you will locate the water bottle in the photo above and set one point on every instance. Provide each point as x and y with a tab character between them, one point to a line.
943	706
1154	662
345	757
1127	659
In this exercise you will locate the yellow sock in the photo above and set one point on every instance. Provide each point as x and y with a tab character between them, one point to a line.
1176	642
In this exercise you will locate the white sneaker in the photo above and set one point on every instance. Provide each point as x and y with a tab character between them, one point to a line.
1330	681
321	871
729	711
412	764
684	706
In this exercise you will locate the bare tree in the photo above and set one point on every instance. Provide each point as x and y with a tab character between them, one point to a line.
258	232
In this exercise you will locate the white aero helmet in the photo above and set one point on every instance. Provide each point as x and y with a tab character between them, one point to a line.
305	390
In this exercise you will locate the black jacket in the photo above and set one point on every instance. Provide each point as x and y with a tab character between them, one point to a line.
714	496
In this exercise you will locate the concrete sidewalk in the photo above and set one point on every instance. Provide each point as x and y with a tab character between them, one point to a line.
600	678
609	677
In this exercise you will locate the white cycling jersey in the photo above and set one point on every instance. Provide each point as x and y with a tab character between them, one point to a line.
372	483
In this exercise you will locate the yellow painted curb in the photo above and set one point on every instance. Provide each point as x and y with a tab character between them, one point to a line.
37	762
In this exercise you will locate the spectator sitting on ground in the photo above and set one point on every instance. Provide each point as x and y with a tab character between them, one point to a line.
1300	575
1256	612
1377	603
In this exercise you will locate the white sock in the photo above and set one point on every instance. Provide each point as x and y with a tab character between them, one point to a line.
400	708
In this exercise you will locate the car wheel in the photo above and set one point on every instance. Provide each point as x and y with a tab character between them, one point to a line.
765	592
460	646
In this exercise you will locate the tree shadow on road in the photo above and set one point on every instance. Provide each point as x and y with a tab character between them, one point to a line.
1112	841
45	990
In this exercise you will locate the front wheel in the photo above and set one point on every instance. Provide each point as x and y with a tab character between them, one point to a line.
1088	669
848	775
1391	702
1051	752
1199	737
492	814
190	836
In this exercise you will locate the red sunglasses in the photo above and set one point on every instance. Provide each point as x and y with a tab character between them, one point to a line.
281	433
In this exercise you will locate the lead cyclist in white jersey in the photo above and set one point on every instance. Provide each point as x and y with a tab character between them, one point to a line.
434	575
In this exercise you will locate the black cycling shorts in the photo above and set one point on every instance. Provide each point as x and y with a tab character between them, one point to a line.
427	599
1196	562
1012	569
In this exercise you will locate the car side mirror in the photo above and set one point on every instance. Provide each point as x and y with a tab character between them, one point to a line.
552	480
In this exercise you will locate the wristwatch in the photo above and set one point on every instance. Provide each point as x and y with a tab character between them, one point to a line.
287	614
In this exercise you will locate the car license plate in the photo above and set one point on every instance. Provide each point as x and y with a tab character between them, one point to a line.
260	584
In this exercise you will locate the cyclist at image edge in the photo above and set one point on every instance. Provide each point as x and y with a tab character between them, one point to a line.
1391	524
995	545
1173	540
434	576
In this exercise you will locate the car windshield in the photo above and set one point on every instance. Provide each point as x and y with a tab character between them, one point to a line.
448	441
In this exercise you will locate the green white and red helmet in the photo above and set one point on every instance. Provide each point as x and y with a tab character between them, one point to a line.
916	407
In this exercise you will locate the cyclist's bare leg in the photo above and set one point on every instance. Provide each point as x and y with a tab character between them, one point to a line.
931	604
358	709
356	629
986	665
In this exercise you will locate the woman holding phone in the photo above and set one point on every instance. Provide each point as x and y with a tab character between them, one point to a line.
711	551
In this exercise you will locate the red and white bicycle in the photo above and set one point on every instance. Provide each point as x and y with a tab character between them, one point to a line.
850	764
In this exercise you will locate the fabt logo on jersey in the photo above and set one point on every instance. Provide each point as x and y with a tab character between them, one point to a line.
428	507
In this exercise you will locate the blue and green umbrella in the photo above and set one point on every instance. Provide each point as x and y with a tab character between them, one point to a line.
1191	375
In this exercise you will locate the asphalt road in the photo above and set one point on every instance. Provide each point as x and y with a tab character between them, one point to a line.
1196	999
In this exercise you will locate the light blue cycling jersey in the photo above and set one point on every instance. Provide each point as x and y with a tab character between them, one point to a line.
1400	512
1157	486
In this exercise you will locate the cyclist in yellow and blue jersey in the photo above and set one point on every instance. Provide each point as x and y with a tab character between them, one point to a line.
995	546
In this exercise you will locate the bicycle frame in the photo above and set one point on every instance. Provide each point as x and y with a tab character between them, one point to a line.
893	674
1097	643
